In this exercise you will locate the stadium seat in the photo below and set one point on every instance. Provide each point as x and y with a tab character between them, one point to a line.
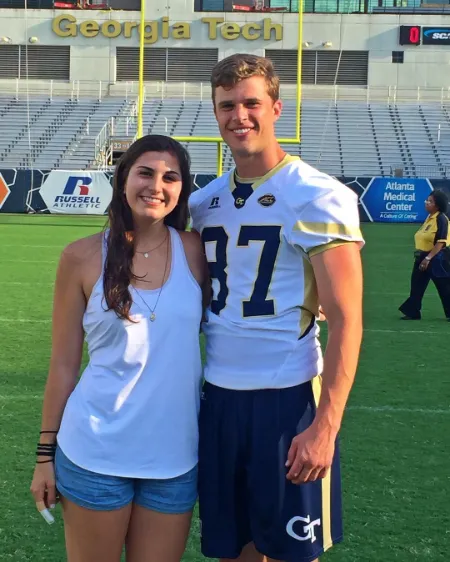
343	137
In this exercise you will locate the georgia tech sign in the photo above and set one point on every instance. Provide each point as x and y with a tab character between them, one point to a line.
68	26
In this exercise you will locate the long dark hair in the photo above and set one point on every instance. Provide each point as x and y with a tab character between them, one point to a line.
440	200
120	243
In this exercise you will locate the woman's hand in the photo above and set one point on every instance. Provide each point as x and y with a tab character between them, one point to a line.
43	486
424	265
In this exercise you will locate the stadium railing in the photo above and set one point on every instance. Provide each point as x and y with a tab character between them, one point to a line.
420	171
19	89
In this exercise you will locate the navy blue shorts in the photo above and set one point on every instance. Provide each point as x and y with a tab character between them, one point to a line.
244	495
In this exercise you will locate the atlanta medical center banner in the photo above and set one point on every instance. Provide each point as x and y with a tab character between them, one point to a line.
381	199
396	199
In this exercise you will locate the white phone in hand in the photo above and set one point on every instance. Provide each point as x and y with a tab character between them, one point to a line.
43	510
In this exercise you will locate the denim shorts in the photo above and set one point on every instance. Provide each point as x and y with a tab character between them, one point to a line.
103	493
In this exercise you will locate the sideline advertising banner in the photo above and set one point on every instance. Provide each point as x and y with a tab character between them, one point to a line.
396	199
381	199
80	193
4	191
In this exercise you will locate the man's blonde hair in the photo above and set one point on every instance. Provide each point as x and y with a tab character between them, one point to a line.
231	70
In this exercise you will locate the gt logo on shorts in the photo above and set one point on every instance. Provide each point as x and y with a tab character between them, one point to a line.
308	529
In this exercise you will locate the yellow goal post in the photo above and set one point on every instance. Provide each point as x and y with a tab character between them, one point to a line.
218	140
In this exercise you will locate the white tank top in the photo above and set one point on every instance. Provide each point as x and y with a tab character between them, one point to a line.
134	412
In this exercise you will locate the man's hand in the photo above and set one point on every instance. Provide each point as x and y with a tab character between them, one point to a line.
424	265
310	455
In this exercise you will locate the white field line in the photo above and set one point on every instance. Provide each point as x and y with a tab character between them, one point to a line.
18	246
370	409
386	331
373	330
26	283
395	409
29	261
26	320
370	293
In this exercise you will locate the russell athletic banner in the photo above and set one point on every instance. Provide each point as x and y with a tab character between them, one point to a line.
80	193
381	199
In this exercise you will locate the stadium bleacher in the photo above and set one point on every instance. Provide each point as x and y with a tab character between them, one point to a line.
344	137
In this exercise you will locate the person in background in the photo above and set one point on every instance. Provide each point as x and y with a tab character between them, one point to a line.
431	258
121	446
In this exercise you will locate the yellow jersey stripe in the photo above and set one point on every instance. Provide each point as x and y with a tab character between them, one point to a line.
310	306
259	181
328	246
247	180
331	228
326	511
326	482
317	389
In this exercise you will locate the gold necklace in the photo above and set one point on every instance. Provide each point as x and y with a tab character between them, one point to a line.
152	316
145	254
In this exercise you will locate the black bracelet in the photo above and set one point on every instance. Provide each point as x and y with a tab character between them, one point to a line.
44	462
46	450
41	432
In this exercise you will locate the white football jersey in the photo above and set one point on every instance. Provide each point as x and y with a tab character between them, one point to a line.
261	328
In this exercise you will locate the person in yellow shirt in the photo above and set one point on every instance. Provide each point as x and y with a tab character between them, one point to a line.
432	258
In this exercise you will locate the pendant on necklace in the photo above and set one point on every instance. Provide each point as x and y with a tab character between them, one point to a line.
152	317
145	255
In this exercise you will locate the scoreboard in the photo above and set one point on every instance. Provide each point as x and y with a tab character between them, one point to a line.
419	35
119	147
410	35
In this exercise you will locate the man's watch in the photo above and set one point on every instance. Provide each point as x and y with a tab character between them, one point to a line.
427	258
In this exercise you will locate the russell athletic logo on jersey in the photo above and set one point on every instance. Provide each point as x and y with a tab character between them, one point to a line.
214	203
87	193
307	530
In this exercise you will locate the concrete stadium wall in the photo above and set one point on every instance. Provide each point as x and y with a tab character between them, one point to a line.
93	58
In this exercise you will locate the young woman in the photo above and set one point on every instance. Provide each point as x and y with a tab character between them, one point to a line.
120	447
431	263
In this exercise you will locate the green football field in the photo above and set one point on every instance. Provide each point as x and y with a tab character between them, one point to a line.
395	437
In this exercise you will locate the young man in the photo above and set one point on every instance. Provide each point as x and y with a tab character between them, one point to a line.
280	237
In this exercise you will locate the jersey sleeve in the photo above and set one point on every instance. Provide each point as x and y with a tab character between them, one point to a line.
330	220
201	199
193	204
442	229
